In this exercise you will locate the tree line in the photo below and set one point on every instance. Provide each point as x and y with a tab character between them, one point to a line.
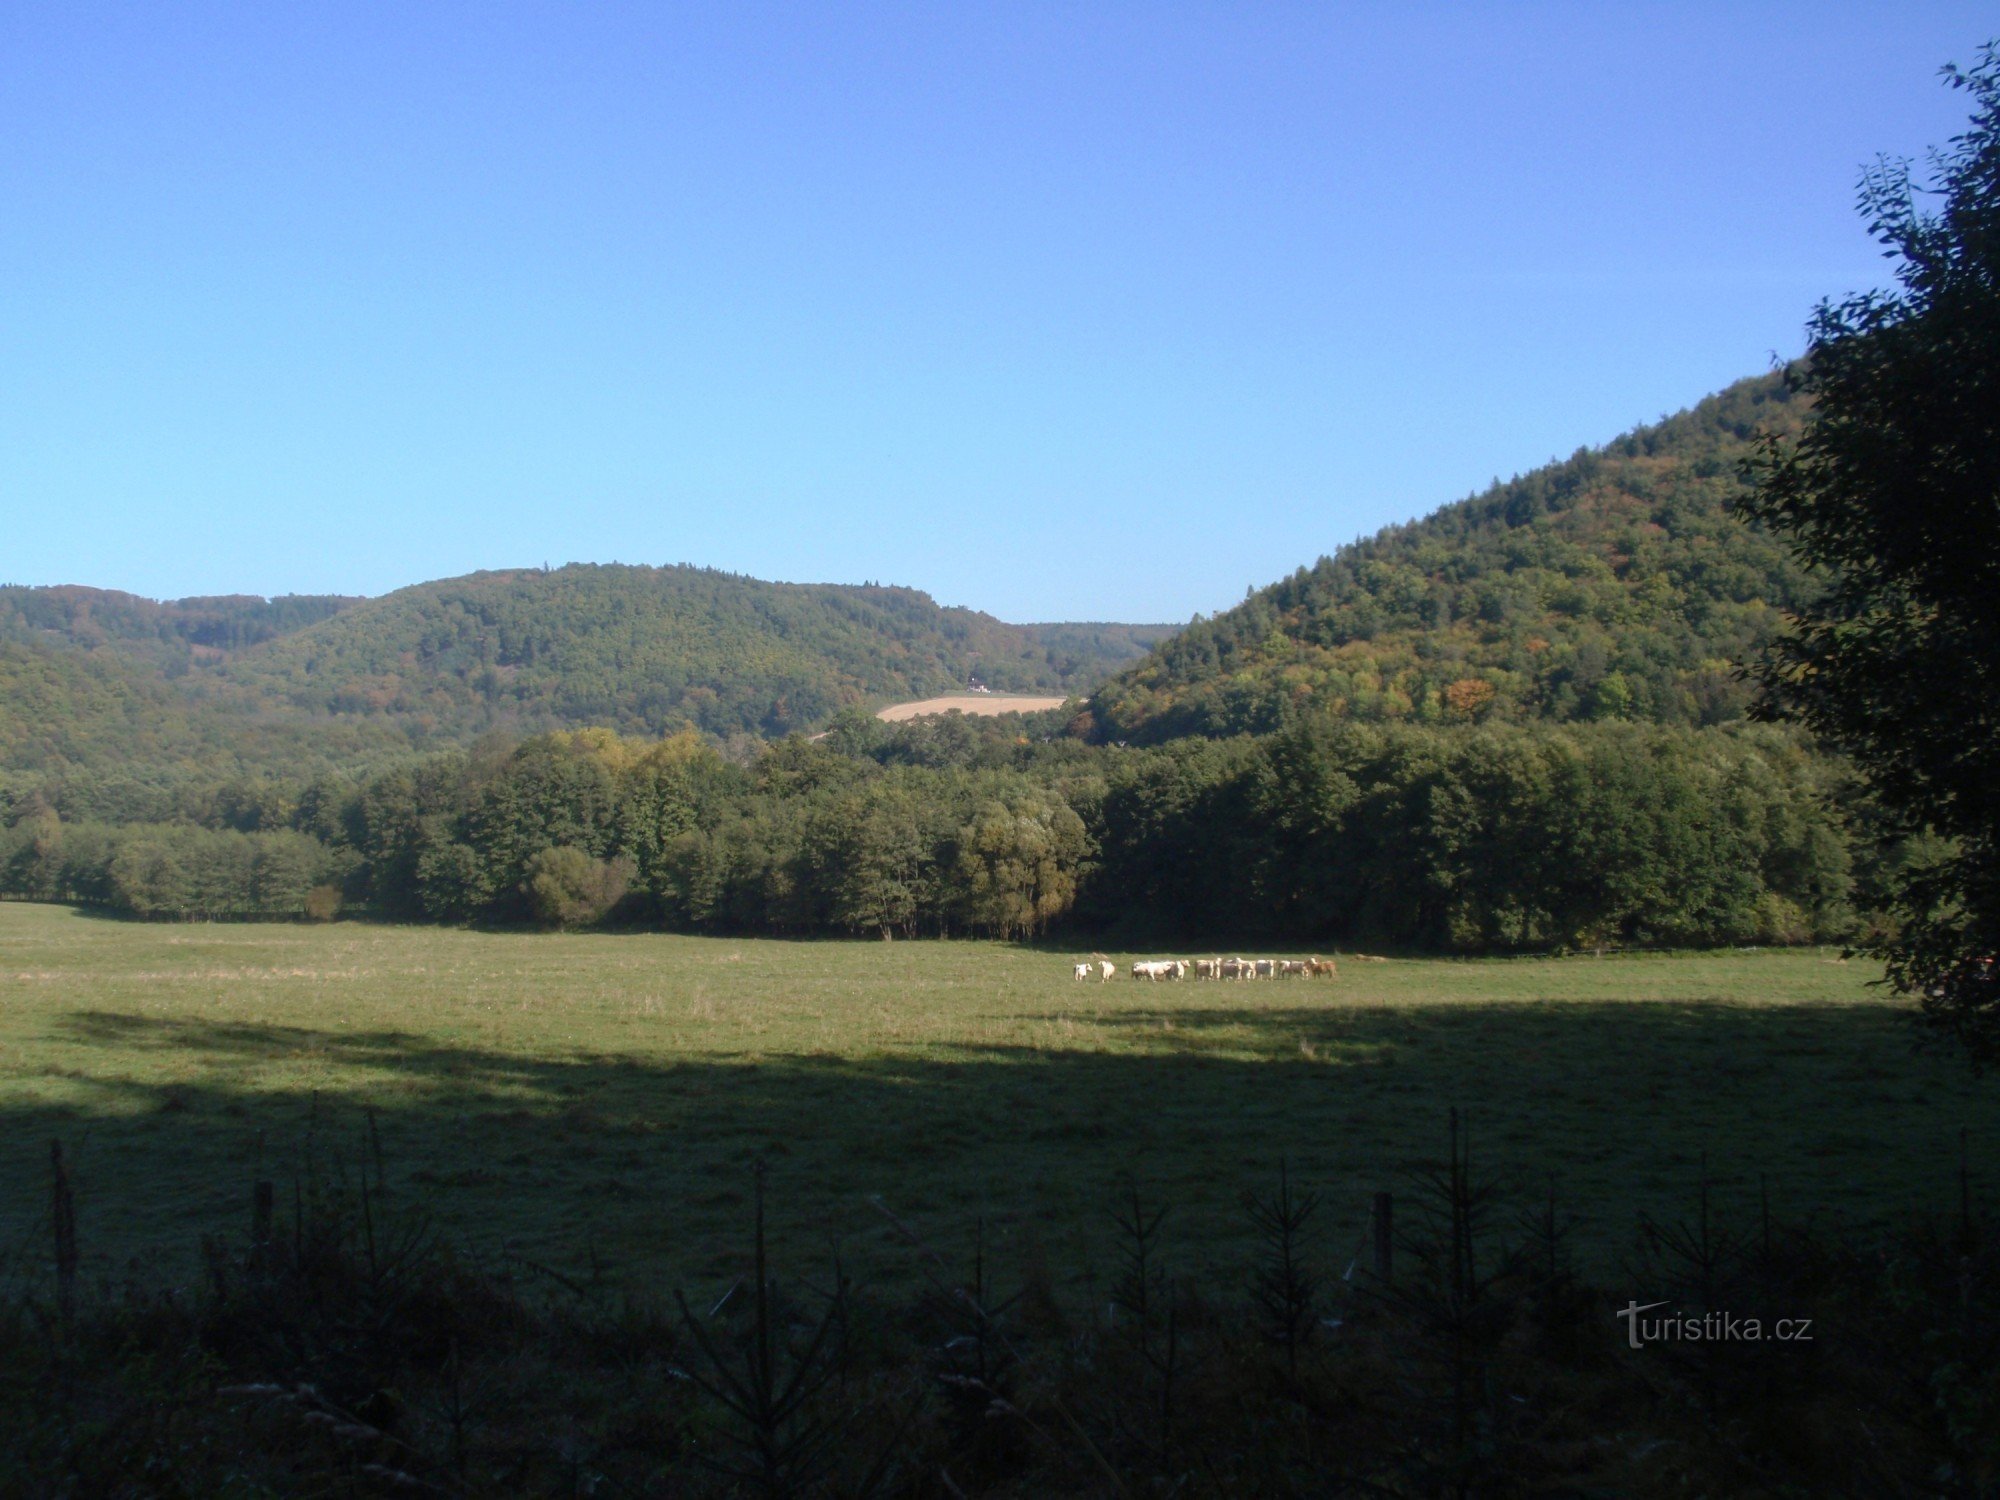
1485	838
172	870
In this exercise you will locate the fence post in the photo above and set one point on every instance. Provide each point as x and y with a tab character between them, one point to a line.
62	1207
263	1198
1382	1221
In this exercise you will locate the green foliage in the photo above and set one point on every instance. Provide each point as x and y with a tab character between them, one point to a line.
173	635
125	709
166	870
806	839
648	650
877	851
1892	495
1474	733
1613	585
566	887
1019	862
1467	838
92	733
1480	839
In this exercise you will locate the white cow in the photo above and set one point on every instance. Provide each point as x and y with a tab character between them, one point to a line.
1083	971
1105	969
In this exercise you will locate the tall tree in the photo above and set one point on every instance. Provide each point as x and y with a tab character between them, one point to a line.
1892	495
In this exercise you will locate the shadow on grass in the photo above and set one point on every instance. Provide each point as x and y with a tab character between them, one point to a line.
642	1164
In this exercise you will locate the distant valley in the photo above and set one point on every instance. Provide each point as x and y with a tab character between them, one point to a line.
1516	723
1613	585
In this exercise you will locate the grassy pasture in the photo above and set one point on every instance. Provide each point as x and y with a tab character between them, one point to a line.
597	1095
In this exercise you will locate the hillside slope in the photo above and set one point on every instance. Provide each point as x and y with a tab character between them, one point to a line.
1615	584
649	649
641	649
91	716
171	635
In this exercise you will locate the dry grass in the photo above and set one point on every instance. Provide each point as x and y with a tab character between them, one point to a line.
976	704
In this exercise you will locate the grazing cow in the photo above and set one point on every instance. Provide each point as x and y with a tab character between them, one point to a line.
1208	968
1083	971
1105	969
1317	966
1293	968
1266	969
1154	970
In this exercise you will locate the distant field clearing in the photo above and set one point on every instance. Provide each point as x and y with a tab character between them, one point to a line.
970	703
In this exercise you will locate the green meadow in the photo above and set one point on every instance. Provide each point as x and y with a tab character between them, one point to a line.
595	1103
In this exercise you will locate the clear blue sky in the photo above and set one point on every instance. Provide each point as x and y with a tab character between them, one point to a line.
1081	311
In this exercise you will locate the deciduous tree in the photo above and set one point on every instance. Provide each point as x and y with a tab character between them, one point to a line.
1892	495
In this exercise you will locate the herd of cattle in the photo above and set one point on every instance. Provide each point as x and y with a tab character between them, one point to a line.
1156	969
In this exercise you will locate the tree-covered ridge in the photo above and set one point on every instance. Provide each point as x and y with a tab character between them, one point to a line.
642	649
105	734
1082	652
639	648
172	634
1615	584
95	707
647	650
66	707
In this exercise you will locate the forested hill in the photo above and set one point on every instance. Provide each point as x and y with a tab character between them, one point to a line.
652	649
1615	584
172	635
640	649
